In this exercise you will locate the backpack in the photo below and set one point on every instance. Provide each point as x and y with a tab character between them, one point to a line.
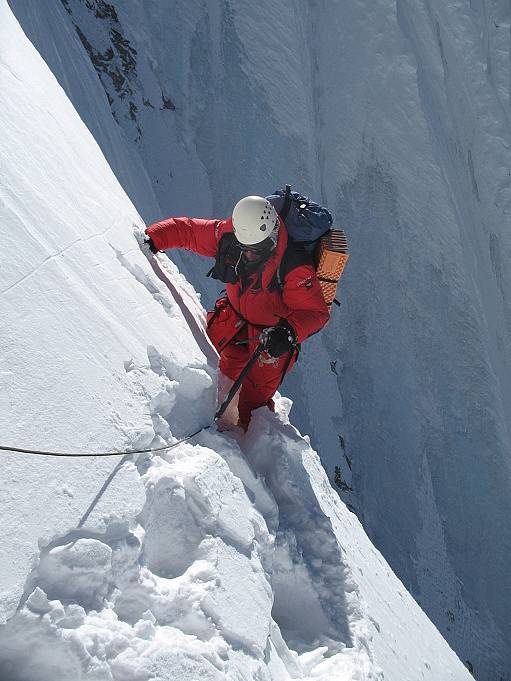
306	221
311	240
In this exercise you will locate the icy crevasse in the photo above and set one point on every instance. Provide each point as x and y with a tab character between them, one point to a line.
222	559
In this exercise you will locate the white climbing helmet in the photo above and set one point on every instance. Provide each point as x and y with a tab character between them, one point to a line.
254	219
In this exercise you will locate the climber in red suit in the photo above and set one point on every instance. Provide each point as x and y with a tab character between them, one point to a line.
264	290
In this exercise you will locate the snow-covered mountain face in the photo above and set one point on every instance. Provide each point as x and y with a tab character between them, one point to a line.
396	114
228	557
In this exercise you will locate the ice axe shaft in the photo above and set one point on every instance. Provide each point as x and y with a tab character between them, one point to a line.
237	383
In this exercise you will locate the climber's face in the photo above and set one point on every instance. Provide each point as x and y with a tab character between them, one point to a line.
259	251
253	256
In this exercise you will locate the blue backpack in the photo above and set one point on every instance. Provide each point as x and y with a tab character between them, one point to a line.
306	221
309	227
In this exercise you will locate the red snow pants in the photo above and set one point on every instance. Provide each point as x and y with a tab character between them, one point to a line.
225	329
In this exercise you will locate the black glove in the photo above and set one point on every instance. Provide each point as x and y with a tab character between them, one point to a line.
279	339
149	242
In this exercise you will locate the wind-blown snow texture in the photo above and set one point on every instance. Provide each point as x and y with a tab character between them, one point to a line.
226	558
396	114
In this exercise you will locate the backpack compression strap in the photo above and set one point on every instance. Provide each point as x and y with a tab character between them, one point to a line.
287	203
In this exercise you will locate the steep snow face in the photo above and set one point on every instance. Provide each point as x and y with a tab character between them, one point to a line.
75	369
177	566
397	115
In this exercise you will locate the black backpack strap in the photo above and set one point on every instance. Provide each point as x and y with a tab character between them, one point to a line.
288	198
294	256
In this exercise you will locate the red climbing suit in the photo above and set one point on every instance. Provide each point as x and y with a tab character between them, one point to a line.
243	312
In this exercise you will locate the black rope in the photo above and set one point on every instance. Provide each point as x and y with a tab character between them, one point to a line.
236	385
125	453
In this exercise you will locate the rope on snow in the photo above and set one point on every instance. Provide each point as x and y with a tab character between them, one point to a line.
234	389
125	453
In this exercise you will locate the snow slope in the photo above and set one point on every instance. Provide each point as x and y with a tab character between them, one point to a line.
397	115
224	558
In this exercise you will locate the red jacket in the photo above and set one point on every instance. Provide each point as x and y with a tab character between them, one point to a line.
300	300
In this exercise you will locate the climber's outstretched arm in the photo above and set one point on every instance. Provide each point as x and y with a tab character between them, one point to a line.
194	234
